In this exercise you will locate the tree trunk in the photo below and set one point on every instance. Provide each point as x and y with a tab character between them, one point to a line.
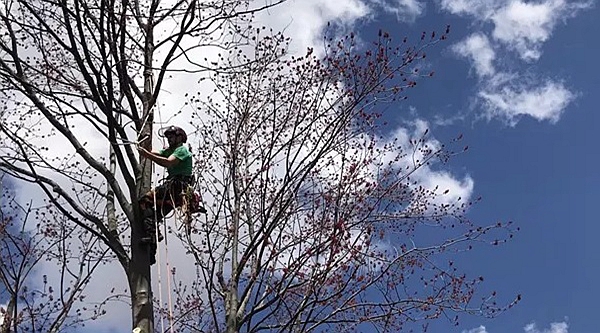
141	291
140	281
139	270
232	301
9	315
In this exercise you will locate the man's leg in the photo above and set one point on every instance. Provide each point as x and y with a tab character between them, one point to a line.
152	253
150	227
149	217
164	197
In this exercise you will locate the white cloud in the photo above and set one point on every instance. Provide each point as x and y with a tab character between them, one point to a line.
305	20
405	10
477	47
429	176
525	26
542	102
479	8
457	188
480	329
522	26
561	327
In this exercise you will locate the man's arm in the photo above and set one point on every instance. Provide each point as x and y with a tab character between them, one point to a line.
167	162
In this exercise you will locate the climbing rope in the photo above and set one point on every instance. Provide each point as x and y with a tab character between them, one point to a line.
159	278
158	247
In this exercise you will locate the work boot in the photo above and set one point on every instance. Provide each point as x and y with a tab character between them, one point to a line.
150	228
152	254
150	237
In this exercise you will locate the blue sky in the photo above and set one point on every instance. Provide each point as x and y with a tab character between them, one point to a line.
519	79
532	140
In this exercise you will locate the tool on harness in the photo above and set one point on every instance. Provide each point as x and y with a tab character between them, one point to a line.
193	200
177	192
192	204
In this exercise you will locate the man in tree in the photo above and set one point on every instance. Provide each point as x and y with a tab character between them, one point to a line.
178	160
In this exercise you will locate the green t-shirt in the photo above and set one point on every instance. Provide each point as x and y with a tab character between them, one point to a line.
184	167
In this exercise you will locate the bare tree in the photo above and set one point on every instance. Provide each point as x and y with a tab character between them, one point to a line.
79	80
317	222
36	302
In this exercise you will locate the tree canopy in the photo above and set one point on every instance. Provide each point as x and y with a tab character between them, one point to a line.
314	216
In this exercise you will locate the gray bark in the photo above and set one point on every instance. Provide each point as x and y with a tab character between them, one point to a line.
140	280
